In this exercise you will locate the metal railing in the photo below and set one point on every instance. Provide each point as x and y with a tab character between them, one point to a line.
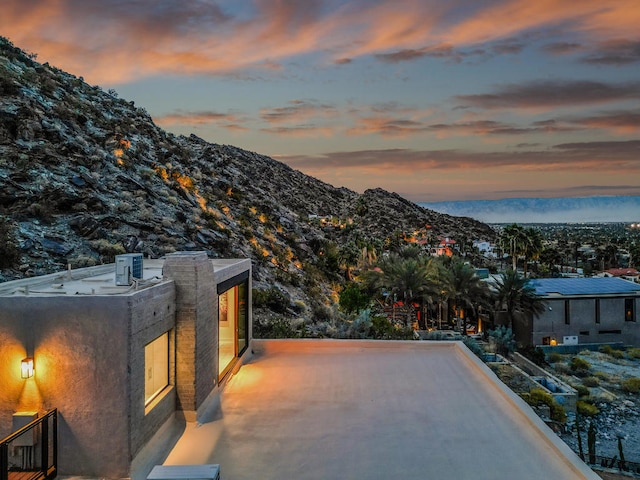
31	453
612	462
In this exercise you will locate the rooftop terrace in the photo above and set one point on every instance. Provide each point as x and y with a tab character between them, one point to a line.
318	409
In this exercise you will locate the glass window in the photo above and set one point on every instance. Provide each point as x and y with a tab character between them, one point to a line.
629	310
597	310
156	367
227	321
233	322
567	313
243	317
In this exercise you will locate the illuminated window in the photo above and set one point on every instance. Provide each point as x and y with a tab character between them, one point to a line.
629	313
233	321
156	367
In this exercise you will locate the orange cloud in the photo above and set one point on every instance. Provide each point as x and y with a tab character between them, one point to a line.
568	157
110	42
227	121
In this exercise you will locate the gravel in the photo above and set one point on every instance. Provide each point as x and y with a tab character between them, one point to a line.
619	415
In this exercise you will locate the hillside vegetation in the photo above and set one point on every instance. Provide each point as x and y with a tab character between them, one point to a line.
86	175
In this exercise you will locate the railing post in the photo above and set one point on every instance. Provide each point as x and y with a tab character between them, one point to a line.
44	453
55	440
4	461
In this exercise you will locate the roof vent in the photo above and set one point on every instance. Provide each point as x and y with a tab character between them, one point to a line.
128	268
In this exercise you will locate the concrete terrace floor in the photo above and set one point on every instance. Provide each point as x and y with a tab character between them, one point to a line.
331	409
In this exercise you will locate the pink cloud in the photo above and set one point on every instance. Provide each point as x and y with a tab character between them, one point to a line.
109	41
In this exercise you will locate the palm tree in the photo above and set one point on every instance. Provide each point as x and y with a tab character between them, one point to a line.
348	255
513	239
516	296
550	258
408	279
532	246
465	289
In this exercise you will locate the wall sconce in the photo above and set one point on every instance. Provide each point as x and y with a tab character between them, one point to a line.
27	367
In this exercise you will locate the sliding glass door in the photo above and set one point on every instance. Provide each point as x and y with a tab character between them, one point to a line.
233	322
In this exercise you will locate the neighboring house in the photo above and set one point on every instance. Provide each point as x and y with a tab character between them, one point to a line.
630	274
583	310
117	360
445	246
486	248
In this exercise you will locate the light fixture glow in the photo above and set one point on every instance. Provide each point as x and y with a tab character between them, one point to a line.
27	367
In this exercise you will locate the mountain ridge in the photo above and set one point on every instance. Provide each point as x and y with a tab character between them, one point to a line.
596	209
86	175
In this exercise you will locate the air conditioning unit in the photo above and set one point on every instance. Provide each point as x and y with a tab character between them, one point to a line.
128	268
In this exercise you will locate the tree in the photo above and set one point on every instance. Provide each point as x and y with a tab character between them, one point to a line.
532	246
348	255
513	240
516	296
465	289
403	278
550	258
353	299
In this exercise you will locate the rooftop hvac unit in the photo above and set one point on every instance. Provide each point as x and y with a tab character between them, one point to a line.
128	268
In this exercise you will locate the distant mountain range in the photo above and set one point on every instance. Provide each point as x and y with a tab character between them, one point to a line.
545	210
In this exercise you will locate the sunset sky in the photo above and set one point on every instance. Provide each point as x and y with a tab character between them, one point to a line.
435	100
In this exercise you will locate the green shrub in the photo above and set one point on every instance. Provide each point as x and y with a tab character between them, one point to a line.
555	357
505	340
353	299
605	349
382	328
107	248
579	365
631	385
582	390
586	409
633	353
272	298
538	397
609	350
535	354
591	381
474	346
275	328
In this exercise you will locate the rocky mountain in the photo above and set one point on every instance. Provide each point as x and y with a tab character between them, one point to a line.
85	175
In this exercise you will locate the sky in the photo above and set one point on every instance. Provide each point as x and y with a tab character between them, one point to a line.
435	100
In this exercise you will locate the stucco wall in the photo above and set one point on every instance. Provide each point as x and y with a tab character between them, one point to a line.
80	347
152	314
583	319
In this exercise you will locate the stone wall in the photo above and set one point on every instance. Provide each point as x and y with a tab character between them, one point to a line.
196	328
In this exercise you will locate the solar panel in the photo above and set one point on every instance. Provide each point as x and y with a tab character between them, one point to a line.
584	286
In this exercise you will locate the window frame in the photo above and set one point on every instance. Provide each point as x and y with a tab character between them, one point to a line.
148	399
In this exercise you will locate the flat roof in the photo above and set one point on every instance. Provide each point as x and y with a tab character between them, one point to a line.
360	409
584	286
97	280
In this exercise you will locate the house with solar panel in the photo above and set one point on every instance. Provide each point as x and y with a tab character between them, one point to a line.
583	310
